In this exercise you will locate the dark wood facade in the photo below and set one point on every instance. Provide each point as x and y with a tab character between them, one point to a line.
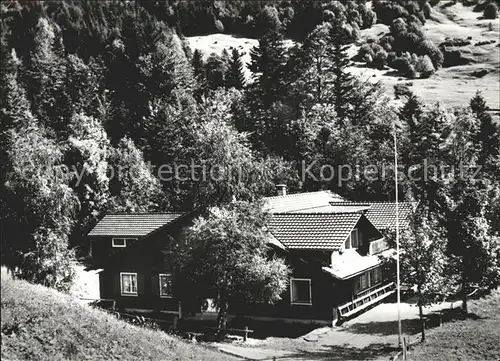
143	258
327	292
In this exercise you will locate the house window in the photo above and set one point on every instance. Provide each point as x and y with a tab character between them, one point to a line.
128	283
353	240
121	242
300	291
368	279
364	280
165	285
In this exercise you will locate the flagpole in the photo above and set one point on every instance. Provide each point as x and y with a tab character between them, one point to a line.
398	286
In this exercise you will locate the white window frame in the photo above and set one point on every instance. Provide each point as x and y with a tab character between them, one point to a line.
349	240
125	239
291	292
123	293
354	231
114	245
159	284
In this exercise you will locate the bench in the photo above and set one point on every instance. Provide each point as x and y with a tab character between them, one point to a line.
245	331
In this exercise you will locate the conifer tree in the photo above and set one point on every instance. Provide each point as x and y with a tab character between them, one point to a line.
268	60
199	72
316	59
343	83
45	79
487	137
424	156
216	69
198	64
235	77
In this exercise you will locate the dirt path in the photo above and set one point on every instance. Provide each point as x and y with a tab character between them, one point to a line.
371	336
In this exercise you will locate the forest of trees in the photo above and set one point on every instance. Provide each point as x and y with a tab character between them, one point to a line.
101	99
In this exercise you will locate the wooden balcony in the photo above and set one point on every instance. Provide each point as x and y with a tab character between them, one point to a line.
378	246
366	300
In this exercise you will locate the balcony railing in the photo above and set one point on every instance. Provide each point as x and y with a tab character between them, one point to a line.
366	300
378	246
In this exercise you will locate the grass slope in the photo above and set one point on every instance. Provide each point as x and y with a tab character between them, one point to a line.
471	339
38	323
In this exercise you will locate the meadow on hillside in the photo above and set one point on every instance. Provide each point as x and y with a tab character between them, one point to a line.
39	323
453	86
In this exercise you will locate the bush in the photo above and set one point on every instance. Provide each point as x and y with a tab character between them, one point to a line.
427	10
490	11
401	90
352	32
485	42
388	11
219	27
404	66
379	59
364	51
386	42
353	16
373	55
424	66
427	47
391	59
410	42
368	16
414	19
455	42
398	27
453	58
416	29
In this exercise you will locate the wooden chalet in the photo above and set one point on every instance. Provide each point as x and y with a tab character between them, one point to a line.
332	245
128	250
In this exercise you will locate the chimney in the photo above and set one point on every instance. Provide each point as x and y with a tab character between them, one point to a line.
281	188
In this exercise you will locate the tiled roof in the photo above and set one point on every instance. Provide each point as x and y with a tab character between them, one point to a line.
335	208
300	202
132	224
313	231
383	214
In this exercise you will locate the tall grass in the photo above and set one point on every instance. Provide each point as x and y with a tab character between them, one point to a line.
38	323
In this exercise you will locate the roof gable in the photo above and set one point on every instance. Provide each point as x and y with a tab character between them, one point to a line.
313	231
300	202
132	224
383	214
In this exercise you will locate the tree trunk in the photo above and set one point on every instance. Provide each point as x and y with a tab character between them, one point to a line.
421	314
222	317
464	300
464	294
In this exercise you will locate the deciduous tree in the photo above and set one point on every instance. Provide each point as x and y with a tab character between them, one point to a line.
227	256
423	262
